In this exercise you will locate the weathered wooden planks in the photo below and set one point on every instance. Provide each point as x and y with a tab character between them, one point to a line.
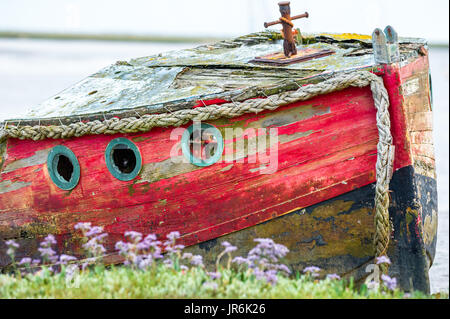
416	93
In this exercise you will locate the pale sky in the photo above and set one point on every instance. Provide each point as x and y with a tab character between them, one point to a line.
224	18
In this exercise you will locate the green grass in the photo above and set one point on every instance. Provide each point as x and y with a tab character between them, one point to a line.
164	282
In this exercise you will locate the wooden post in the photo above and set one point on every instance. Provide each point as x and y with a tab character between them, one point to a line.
289	43
392	44
385	46
379	47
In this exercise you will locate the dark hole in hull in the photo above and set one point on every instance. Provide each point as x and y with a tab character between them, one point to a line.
64	167
124	159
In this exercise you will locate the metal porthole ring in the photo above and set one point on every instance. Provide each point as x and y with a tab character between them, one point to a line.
52	166
112	167
185	147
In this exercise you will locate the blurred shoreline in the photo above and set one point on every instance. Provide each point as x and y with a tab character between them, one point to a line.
130	38
107	37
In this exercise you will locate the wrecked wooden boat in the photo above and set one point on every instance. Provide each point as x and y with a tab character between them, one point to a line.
179	142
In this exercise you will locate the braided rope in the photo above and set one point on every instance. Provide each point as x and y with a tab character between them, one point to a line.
229	110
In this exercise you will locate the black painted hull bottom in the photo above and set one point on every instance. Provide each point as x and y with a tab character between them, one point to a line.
337	235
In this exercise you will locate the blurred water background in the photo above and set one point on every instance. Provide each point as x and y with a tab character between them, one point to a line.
32	70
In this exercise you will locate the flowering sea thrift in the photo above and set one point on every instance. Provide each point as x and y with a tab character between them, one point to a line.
390	283
194	260
46	250
65	259
228	250
313	271
26	261
12	247
383	260
172	250
333	277
95	238
139	253
263	260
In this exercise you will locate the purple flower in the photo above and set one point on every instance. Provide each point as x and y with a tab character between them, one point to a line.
142	246
333	276
48	254
84	227
12	243
259	273
240	260
96	230
140	252
25	261
134	236
178	247
12	247
228	247
150	238
183	267
94	246
101	237
283	268
267	248
64	259
383	260
197	260
48	241
390	283
312	271
271	276
264	258
121	246
145	262
46	250
214	275
173	236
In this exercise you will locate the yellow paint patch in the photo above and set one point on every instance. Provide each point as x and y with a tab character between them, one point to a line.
347	36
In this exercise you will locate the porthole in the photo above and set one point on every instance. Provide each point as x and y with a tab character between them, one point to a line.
202	144
123	159
63	167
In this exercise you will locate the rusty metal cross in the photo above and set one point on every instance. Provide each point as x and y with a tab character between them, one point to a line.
286	21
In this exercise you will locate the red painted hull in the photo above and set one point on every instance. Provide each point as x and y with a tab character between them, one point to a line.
322	155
